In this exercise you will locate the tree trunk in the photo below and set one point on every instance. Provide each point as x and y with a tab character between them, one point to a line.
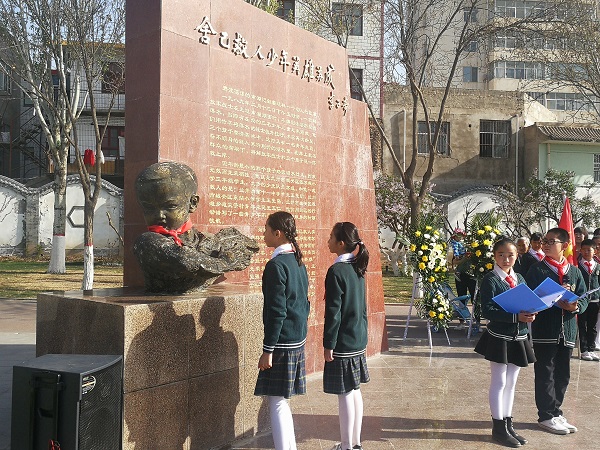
57	254
88	246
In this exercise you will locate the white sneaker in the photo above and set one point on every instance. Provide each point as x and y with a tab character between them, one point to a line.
587	356
567	425
597	349
594	356
554	425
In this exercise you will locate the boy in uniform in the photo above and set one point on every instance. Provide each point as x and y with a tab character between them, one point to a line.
586	320
554	332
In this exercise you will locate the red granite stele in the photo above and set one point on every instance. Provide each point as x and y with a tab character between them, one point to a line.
261	110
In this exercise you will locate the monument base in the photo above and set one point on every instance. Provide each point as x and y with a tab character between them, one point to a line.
189	360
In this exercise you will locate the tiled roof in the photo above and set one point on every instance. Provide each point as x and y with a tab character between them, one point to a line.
578	134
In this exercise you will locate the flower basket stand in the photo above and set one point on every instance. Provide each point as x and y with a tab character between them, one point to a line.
418	287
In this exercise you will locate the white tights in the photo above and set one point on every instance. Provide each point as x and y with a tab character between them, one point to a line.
502	389
351	415
282	423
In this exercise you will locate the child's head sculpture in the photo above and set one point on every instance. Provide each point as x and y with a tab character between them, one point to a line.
167	193
174	256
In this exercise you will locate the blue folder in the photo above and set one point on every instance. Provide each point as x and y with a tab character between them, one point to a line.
522	298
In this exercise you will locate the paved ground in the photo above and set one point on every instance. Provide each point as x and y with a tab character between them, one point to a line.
417	399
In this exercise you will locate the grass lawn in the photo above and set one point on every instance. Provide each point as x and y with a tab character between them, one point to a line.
396	289
22	278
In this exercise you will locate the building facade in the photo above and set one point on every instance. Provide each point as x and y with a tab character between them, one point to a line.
356	25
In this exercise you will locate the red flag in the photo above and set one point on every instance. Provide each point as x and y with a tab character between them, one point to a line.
566	223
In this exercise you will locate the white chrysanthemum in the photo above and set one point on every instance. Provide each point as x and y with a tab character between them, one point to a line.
489	254
492	235
427	236
481	269
420	253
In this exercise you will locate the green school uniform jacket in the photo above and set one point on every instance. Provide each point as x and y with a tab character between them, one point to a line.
555	323
592	280
286	305
345	311
503	325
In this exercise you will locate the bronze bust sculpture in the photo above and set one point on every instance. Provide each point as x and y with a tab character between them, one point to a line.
174	256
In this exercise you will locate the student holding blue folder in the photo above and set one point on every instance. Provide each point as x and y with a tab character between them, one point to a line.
554	332
504	343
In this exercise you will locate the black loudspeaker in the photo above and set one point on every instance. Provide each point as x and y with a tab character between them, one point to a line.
74	400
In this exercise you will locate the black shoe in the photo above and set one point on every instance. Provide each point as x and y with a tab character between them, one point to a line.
357	447
513	433
501	435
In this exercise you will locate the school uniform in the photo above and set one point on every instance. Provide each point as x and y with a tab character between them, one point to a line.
285	315
505	340
527	260
554	332
345	329
586	321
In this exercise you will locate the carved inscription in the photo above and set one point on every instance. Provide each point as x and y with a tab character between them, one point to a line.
262	156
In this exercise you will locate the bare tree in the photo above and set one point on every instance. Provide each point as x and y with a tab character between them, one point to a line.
50	49
33	55
426	40
98	31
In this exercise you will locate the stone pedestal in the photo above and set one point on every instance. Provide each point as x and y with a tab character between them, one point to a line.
189	361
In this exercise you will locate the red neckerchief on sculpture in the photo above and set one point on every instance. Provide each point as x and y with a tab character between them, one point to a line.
561	267
173	233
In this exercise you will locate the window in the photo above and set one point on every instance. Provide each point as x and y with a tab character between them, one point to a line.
470	74
494	138
519	9
596	168
5	83
348	17
470	15
110	142
286	10
356	80
518	69
443	145
472	46
113	79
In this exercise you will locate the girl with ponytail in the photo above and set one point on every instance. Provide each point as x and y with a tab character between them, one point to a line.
285	317
345	332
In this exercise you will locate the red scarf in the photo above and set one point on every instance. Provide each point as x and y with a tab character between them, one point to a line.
588	265
510	281
561	267
173	233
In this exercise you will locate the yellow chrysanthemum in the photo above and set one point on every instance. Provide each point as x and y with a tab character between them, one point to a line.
487	242
480	232
431	314
496	231
489	266
478	253
431	279
418	233
421	266
487	228
424	247
440	316
437	269
413	247
444	269
424	258
474	244
428	228
436	233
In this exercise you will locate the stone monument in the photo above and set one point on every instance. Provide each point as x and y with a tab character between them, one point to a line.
261	112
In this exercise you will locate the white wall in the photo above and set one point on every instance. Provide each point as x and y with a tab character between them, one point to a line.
19	199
